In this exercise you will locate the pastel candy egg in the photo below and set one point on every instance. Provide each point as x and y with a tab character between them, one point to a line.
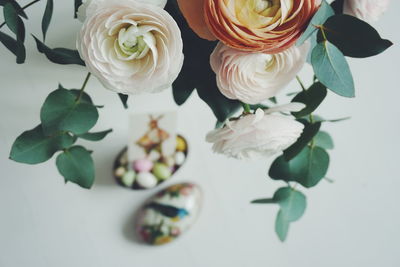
161	171
154	155
146	180
142	165
120	171
169	214
170	161
180	144
129	178
180	158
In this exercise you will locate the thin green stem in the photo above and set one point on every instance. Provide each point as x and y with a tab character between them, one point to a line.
24	7
83	86
301	83
246	107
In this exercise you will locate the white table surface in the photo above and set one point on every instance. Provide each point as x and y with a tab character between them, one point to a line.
351	222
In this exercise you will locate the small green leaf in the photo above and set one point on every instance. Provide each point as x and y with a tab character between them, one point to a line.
354	37
124	99
281	226
324	140
309	131
48	13
59	55
14	46
331	69
62	111
324	12
16	6
292	203
76	165
95	136
310	166
34	147
312	98
337	6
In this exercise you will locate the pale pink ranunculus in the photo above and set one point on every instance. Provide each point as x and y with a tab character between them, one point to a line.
130	46
262	134
368	10
255	77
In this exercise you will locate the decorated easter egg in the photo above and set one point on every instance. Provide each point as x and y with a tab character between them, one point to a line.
169	213
146	180
143	165
161	171
128	178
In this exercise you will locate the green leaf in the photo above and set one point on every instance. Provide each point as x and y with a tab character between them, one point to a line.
16	25
307	168
281	226
14	46
95	136
197	73
323	13
264	201
16	6
324	140
34	147
76	165
48	13
331	69
292	203
124	99
312	98
354	37
337	6
59	55
62	111
309	131
77	4
310	166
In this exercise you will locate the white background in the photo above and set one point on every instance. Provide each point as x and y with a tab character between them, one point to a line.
354	221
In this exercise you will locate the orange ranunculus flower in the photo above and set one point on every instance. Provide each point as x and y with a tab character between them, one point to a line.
250	25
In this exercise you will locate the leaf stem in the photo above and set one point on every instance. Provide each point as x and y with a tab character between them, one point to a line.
24	7
83	86
246	107
301	83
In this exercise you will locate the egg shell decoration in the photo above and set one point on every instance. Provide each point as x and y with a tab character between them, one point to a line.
162	169
169	213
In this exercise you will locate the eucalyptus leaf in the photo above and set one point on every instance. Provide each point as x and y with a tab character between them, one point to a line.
307	168
281	226
354	37
33	146
337	6
331	69
62	111
77	4
291	202
197	73
76	165
264	201
59	55
95	136
124	99
16	6
324	12
312	98
324	140
14	46
48	13
309	131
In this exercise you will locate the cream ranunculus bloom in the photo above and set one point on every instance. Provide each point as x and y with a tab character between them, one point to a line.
131	47
255	77
368	10
262	134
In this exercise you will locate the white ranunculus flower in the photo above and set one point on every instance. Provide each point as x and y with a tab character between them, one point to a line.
262	134
368	10
130	46
255	77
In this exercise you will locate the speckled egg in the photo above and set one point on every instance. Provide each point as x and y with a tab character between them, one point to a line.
169	214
